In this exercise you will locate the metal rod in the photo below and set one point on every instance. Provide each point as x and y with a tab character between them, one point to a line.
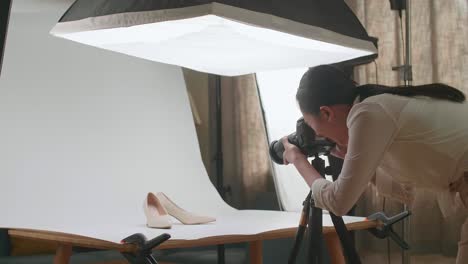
408	66
406	256
5	249
221	254
219	156
219	139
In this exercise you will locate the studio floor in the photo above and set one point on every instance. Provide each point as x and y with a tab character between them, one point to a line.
369	257
275	252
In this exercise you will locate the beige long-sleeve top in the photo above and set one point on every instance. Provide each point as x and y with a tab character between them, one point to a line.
400	143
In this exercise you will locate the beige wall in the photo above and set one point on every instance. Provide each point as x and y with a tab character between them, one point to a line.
246	167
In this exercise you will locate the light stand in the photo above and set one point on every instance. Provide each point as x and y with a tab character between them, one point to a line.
219	157
215	87
406	71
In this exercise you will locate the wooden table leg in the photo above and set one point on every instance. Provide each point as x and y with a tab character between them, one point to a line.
63	254
334	248
256	252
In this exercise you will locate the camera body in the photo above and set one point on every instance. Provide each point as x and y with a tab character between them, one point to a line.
305	139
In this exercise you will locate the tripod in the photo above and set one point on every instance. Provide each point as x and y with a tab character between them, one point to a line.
311	217
311	220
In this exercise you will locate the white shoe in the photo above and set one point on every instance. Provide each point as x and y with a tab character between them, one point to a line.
156	214
187	218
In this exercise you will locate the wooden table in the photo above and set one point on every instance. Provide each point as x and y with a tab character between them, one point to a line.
65	242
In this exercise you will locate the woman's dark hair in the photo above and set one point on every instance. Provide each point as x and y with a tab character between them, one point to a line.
326	85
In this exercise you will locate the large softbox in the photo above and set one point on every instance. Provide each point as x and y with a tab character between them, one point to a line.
223	37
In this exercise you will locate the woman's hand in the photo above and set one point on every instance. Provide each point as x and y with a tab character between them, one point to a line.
293	155
339	151
291	152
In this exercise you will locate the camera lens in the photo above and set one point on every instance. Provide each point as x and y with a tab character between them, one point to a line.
276	151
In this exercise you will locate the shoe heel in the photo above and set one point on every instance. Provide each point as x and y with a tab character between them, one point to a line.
156	214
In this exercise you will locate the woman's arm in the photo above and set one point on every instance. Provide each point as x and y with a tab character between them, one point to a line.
371	130
307	171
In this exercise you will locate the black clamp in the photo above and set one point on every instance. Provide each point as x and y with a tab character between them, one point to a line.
386	229
143	253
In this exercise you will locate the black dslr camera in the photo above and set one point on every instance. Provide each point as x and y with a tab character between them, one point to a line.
305	139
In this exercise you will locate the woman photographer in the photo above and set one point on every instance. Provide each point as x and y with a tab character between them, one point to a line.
398	138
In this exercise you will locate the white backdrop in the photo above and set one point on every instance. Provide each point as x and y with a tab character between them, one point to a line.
278	93
85	133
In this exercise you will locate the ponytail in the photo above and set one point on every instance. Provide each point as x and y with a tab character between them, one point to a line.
433	90
327	85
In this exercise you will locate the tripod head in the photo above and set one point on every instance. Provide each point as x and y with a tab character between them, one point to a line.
319	164
333	169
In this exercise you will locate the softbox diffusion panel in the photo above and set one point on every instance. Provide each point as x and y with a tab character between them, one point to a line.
221	37
5	8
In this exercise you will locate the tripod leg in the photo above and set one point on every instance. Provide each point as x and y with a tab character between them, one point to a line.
300	230
151	260
297	244
299	235
315	236
345	238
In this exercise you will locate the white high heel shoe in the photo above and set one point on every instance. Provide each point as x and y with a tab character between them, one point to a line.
156	214
186	218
